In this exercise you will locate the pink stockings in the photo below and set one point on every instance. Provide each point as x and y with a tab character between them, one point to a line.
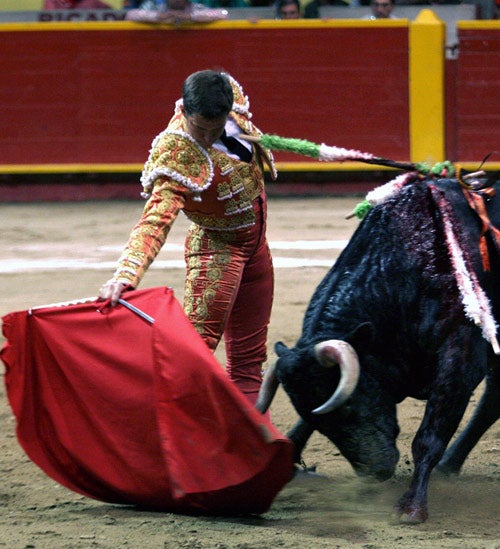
229	290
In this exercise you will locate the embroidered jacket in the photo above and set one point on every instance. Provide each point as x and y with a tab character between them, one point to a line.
213	189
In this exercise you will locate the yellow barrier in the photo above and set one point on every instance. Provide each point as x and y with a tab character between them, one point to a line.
426	86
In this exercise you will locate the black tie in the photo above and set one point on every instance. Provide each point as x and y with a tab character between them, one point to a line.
235	147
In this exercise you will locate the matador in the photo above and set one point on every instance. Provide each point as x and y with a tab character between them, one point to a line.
198	165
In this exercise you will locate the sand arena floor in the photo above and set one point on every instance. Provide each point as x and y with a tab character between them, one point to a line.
57	252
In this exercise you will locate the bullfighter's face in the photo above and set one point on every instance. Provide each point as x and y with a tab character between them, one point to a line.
203	130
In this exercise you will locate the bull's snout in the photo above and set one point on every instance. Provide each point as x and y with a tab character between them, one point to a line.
378	473
381	469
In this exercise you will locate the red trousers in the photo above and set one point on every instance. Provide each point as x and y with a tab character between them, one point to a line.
229	291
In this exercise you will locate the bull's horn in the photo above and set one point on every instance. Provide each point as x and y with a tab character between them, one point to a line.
268	389
338	352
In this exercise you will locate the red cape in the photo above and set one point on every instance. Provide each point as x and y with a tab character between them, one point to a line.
125	411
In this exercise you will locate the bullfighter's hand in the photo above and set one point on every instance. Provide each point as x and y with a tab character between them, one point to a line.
112	290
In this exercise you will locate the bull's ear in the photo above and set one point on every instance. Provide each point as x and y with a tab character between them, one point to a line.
361	335
280	348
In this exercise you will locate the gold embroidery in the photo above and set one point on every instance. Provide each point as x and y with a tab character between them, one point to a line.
200	291
195	243
231	207
148	236
237	182
183	159
242	220
223	190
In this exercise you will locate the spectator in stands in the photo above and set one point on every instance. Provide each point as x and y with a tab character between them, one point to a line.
75	5
381	9
225	3
260	3
288	9
311	10
175	11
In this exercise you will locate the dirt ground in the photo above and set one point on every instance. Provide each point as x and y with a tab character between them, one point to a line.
57	252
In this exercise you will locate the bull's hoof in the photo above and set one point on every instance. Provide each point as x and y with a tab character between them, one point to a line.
445	469
409	515
414	517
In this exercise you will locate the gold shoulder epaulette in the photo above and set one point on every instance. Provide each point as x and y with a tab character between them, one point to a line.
175	154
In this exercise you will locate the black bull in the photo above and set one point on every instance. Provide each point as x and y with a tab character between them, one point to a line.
393	301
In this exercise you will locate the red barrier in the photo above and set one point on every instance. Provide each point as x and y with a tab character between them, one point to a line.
83	95
477	83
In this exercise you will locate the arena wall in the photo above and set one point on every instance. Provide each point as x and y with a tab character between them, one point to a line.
88	97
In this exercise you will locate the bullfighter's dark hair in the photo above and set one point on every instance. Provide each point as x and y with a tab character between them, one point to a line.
207	93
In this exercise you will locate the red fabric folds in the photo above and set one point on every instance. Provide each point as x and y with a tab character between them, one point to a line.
125	411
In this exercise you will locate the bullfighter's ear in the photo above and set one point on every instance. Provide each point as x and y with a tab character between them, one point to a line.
361	335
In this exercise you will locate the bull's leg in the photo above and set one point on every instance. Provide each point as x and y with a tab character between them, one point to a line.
299	434
485	415
441	419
